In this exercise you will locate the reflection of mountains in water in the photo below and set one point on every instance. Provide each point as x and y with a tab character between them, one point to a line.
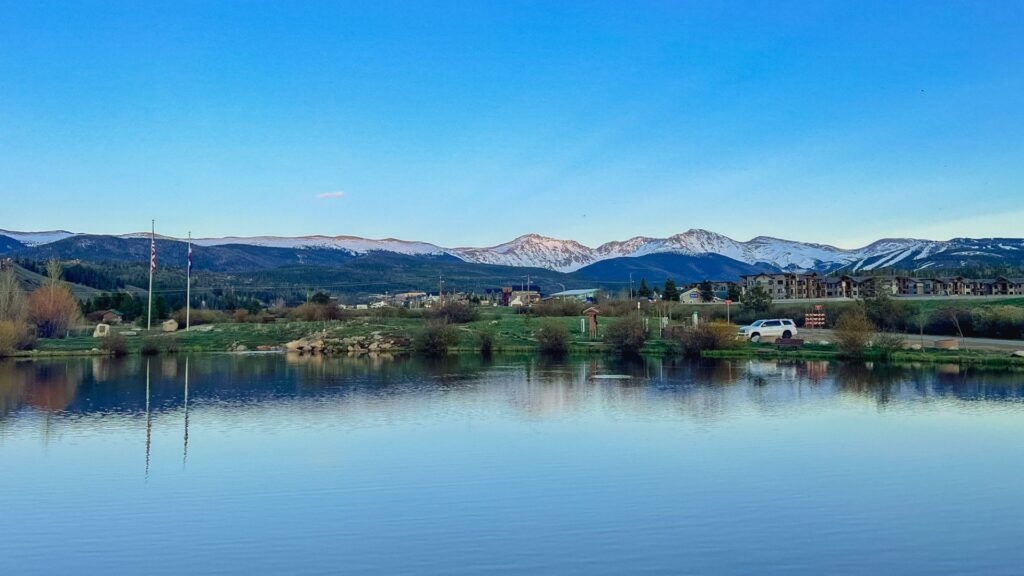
533	386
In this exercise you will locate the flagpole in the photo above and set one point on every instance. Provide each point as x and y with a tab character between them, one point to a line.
152	255
188	286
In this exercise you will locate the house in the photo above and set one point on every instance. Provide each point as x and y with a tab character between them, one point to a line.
111	317
720	288
524	297
692	295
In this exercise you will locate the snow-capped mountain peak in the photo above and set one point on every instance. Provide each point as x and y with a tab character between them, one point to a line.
535	250
532	250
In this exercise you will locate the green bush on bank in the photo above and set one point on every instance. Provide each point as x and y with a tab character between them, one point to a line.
552	337
626	335
708	336
436	337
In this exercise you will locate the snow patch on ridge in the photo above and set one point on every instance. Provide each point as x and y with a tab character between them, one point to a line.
37	238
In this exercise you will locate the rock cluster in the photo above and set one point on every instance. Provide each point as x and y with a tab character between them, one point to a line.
322	343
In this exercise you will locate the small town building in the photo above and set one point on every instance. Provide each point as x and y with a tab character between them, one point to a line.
580	295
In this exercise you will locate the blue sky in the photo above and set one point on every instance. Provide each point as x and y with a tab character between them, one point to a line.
470	123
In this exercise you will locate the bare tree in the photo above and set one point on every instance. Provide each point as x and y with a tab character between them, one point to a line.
12	298
54	271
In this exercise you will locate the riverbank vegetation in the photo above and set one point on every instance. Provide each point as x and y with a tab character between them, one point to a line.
873	328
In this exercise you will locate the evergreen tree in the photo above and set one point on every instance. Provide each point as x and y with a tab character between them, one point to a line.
670	292
734	293
707	292
645	291
758	299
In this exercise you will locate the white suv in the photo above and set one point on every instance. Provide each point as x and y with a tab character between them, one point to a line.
778	328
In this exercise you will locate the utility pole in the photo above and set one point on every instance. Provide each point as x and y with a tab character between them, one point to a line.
152	266
188	290
630	285
440	289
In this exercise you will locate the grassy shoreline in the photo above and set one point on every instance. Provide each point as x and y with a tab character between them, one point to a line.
513	333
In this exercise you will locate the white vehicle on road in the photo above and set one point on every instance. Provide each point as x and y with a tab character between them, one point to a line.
775	328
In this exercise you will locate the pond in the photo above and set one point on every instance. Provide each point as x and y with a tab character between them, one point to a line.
254	464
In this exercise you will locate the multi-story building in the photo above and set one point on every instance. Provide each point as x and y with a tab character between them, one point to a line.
793	286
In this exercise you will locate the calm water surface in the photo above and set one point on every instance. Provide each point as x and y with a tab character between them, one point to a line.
267	464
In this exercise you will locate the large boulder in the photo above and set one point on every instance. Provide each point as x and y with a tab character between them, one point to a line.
1019	353
101	331
169	325
297	345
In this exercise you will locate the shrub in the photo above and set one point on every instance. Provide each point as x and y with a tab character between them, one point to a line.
14	336
198	317
888	343
386	312
951	320
456	313
115	344
853	331
13	304
886	313
1000	321
312	312
559	307
486	341
149	347
626	335
553	338
708	336
436	338
53	309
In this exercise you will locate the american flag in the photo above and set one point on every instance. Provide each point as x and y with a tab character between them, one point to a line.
152	254
190	258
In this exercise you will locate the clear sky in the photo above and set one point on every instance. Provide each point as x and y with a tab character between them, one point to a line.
470	123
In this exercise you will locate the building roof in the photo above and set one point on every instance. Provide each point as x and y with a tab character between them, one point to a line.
579	292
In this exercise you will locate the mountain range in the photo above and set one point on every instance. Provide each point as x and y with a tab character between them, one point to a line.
536	251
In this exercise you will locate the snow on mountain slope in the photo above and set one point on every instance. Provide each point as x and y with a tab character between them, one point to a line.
534	250
37	238
352	244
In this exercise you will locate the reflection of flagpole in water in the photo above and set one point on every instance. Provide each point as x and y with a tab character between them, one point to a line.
184	457
149	422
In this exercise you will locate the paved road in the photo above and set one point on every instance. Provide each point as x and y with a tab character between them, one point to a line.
990	344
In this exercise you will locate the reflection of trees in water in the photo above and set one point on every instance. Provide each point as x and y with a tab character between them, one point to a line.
884	381
529	384
14	377
870	379
45	386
